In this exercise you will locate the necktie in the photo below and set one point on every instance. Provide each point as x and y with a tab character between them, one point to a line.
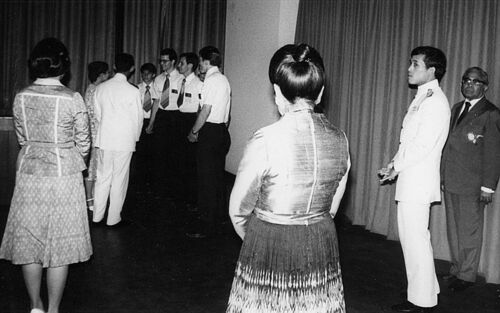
147	100
180	99
464	112
167	83
164	94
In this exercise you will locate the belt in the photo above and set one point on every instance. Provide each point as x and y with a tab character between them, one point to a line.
64	145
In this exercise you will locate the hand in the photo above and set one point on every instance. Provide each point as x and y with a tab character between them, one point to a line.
192	137
486	197
149	129
387	174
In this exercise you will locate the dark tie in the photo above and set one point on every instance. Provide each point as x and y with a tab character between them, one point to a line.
180	99
166	84
147	100
164	94
464	112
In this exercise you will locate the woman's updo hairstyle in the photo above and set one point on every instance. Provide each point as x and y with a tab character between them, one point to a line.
299	72
49	58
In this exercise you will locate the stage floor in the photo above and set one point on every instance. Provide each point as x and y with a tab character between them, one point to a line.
152	266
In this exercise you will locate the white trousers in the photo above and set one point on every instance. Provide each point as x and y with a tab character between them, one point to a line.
113	168
413	227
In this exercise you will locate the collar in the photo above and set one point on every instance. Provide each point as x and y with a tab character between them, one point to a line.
190	77
48	81
120	77
174	72
433	84
212	70
473	102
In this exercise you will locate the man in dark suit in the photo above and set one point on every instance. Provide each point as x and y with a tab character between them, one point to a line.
470	170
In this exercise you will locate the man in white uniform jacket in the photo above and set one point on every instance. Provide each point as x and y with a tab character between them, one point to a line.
424	133
120	117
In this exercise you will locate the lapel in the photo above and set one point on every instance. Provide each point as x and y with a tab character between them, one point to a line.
477	110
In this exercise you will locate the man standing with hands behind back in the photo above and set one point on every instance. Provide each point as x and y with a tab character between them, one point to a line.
470	170
416	164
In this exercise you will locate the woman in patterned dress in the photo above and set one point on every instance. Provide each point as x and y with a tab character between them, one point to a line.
47	226
98	72
288	188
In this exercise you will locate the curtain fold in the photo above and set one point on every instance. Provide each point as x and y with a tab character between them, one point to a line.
85	27
91	30
366	46
185	26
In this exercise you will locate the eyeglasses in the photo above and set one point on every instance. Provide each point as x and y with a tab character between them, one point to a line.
475	82
164	61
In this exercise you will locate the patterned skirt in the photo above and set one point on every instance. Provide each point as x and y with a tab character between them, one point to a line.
288	268
47	222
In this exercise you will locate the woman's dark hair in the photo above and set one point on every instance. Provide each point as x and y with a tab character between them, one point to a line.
299	72
49	58
95	69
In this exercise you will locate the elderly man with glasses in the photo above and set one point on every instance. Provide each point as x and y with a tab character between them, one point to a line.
469	172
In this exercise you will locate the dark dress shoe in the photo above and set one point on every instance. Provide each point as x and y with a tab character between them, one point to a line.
447	277
120	224
409	307
460	285
196	234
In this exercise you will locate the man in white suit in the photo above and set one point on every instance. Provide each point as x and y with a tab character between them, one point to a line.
120	117
416	164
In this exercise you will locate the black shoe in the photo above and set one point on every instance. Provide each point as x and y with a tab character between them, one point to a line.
120	224
409	307
447	277
460	285
196	234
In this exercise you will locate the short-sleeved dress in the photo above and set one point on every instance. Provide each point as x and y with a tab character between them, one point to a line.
47	222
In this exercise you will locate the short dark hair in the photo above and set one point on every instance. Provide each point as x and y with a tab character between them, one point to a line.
299	72
148	67
191	58
482	74
95	69
49	58
172	55
123	62
433	57
211	54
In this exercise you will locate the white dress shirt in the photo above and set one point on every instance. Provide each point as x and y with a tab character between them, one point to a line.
173	90
192	93
216	92
152	91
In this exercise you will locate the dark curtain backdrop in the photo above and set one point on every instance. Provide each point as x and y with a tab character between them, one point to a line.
366	46
186	26
85	27
95	30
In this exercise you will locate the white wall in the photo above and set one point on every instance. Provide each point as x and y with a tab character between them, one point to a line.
255	29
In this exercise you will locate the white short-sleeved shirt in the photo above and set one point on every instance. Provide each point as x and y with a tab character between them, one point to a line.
192	93
173	92
152	91
216	92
